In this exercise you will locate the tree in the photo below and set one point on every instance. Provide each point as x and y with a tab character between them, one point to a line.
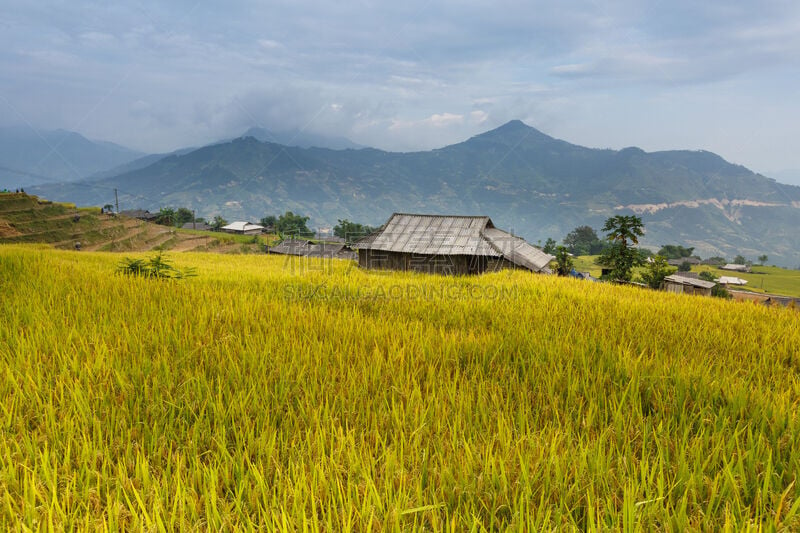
674	251
563	261
166	216
351	231
686	266
550	246
183	215
583	240
622	231
763	259
218	222
269	221
293	224
107	208
707	275
655	272
739	260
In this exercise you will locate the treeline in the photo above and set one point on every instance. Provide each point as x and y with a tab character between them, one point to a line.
584	240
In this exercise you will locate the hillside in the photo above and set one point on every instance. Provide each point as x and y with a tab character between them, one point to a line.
255	397
29	219
29	157
527	181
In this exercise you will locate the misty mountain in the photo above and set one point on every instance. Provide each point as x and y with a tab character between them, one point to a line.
525	180
301	139
30	157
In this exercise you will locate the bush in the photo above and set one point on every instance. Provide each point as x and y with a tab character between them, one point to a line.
156	267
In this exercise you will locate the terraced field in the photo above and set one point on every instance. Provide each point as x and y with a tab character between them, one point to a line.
29	219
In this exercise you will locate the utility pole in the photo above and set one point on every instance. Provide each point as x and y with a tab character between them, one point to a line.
194	224
116	200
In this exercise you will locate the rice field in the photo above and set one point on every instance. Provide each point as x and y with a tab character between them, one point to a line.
268	394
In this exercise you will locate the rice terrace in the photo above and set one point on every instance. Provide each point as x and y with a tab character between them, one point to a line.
399	266
257	395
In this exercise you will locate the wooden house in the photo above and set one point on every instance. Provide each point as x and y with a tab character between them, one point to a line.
447	245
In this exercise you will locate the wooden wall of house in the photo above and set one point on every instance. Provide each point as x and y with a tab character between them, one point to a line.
432	264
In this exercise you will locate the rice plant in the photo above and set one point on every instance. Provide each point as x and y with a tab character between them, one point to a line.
266	395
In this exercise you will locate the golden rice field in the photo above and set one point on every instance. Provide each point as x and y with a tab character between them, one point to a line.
264	395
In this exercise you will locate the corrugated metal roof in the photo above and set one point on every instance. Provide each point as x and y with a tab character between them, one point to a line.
517	250
242	226
431	235
675	278
291	247
453	235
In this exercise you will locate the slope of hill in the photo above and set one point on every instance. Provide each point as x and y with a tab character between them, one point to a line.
530	182
28	219
29	157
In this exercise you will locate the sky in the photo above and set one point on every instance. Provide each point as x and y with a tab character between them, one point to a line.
414	75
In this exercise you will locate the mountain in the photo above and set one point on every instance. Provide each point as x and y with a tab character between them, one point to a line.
30	157
527	181
301	139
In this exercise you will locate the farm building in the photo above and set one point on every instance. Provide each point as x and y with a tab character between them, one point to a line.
447	245
291	247
243	228
197	226
683	285
736	267
141	214
304	248
331	250
731	280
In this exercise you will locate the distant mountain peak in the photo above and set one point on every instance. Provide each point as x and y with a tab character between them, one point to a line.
299	138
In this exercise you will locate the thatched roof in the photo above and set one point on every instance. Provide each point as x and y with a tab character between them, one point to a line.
453	235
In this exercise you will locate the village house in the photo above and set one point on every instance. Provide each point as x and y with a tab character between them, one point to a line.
141	214
202	226
447	245
687	285
243	228
736	267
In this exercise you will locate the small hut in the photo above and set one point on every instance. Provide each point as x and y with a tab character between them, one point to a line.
447	245
684	285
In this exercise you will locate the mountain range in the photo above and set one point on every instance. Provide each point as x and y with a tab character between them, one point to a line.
527	181
29	157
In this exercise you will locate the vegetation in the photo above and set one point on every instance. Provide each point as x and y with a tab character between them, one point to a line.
351	231
583	240
289	224
156	267
655	271
563	261
675	251
550	246
255	397
623	231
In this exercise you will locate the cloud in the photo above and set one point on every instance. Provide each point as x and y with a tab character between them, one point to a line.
402	76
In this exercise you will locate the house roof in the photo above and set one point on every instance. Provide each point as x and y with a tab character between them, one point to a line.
324	249
197	225
242	226
676	278
291	247
452	235
141	214
736	267
731	280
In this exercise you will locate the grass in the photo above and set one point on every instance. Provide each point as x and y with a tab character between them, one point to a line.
277	393
763	279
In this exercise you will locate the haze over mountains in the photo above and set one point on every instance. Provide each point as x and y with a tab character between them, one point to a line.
524	179
30	157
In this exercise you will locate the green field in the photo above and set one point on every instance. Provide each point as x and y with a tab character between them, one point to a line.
763	279
275	393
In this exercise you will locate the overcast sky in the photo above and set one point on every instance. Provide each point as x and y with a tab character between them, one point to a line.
716	75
